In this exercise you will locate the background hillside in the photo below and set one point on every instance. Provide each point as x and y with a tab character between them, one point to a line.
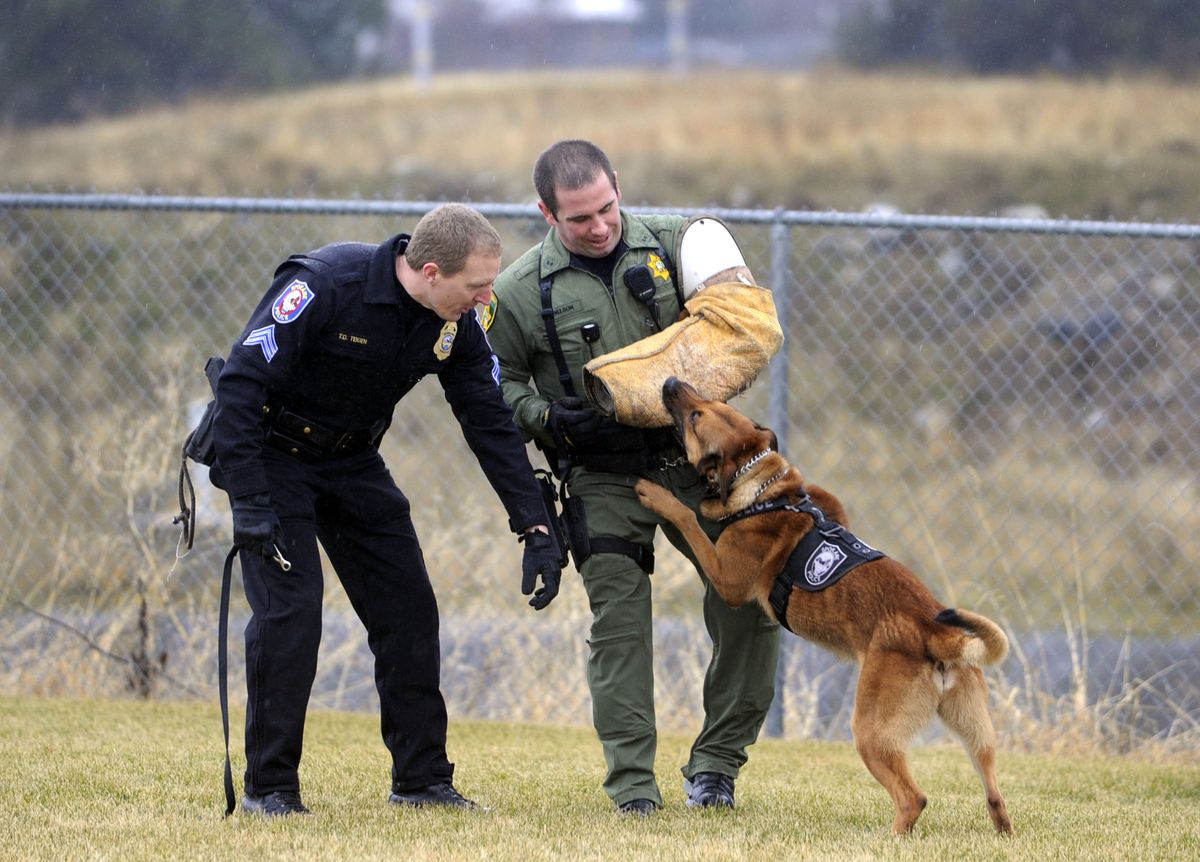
1119	148
1014	413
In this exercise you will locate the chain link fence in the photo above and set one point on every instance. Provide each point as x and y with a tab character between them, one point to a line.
1010	407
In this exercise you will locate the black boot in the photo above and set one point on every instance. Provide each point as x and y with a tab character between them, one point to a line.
709	790
638	807
442	793
278	804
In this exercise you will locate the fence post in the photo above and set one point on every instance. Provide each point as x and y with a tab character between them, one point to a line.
777	412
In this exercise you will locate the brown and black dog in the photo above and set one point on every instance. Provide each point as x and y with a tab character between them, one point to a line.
916	657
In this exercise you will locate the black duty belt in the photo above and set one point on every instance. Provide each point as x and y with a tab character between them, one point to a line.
637	463
308	440
823	557
648	449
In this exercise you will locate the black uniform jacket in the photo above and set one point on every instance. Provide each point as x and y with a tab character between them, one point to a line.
338	340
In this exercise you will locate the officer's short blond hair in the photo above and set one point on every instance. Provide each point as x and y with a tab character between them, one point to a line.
450	234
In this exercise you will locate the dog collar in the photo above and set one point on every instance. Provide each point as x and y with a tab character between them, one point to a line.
749	465
767	484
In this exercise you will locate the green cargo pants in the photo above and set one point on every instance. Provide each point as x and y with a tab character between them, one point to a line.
740	682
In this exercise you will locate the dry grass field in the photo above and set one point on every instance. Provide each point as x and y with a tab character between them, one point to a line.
92	580
142	781
1119	149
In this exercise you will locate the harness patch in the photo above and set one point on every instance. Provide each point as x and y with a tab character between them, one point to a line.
291	301
822	563
826	553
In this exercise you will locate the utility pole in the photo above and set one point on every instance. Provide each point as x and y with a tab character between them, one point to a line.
421	42
677	38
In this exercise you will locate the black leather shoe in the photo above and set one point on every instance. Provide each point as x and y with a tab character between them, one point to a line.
442	793
709	790
638	807
278	804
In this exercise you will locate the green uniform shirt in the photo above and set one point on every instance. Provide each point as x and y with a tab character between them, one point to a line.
517	332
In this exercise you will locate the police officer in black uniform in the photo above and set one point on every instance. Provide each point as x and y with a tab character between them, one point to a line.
307	392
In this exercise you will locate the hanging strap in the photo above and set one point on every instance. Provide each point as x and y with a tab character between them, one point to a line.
186	519
545	283
640	554
223	671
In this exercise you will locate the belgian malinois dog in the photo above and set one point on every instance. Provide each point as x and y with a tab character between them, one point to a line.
917	657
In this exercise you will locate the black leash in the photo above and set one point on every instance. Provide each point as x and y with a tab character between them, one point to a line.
223	671
223	660
186	519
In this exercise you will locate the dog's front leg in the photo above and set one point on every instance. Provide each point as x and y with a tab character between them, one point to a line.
662	502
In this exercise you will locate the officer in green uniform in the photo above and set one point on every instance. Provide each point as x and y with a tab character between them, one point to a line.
602	279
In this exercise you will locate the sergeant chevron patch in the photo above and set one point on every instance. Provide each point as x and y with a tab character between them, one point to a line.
264	337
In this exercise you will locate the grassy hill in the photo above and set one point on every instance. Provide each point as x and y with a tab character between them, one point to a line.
1118	148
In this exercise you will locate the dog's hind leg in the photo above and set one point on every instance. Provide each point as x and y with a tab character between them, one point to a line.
964	709
895	699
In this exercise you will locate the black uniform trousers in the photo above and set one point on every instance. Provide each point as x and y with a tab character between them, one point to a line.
362	520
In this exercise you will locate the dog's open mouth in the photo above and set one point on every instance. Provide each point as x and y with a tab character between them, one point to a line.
677	426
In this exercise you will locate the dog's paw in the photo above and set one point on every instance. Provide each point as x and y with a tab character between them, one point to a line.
654	497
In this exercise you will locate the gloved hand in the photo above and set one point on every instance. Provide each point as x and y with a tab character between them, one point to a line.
541	557
256	527
572	423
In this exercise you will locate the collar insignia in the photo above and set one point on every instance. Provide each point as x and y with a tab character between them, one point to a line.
488	313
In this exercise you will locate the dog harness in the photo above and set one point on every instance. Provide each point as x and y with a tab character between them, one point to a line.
822	558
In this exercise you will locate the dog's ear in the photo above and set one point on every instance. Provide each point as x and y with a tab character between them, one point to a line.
774	441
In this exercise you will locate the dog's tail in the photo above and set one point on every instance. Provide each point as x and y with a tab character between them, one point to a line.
980	642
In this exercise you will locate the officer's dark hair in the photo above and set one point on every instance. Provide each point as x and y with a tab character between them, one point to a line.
450	234
569	165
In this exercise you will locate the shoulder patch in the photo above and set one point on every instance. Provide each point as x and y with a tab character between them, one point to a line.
488	313
292	301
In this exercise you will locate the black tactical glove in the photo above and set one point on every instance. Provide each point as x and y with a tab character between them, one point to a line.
256	527
541	557
572	423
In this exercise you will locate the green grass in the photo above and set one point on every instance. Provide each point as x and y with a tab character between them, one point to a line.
134	780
